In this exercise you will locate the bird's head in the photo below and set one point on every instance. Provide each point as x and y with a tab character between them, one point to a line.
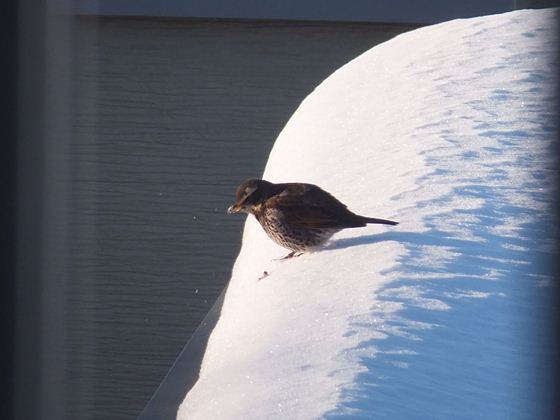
250	194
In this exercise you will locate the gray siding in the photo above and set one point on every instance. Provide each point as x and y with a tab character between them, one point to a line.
394	11
168	117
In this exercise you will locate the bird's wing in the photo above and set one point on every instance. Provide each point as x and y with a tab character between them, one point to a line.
310	218
309	206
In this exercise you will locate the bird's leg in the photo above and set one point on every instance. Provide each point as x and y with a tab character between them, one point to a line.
290	255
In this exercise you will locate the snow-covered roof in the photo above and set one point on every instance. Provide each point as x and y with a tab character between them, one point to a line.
448	130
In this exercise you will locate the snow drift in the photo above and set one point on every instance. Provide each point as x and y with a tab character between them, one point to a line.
447	129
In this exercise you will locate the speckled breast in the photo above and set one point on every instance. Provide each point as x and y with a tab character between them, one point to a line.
296	238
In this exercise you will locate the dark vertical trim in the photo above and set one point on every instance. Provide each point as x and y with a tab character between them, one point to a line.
8	157
29	208
41	208
53	227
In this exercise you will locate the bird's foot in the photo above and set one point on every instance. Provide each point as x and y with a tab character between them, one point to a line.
290	255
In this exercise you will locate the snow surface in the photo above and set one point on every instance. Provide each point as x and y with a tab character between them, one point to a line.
447	129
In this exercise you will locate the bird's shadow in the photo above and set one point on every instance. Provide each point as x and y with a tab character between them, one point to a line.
363	240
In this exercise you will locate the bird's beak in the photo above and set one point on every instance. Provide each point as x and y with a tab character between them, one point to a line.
236	208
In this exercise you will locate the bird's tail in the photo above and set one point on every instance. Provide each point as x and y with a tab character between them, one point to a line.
378	221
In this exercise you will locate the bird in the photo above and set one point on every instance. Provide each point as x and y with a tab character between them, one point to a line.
298	216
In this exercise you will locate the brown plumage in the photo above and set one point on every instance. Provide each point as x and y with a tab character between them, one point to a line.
297	216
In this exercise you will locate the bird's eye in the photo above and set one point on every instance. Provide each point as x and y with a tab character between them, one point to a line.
249	191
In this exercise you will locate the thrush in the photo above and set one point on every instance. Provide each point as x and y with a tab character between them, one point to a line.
297	216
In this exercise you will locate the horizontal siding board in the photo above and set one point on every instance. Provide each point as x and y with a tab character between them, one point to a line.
401	11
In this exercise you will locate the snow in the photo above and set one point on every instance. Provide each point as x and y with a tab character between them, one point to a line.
447	129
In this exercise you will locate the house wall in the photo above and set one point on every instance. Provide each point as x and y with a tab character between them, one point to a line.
394	11
168	116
